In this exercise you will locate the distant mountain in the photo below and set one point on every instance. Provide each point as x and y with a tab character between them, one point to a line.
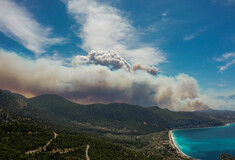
225	116
118	118
184	119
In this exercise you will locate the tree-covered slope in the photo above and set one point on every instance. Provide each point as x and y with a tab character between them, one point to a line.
116	117
113	115
225	116
184	119
25	139
19	138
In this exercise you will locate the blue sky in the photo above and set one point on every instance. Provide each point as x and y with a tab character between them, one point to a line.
195	38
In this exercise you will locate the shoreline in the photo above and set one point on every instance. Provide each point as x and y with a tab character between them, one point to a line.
174	145
226	124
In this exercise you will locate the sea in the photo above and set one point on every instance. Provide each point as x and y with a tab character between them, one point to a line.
206	143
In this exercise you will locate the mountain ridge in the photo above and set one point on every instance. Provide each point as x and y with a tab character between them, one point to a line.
134	119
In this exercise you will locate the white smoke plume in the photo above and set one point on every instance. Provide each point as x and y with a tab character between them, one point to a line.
151	70
112	60
105	58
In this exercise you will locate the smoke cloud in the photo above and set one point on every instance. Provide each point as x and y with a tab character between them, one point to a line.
105	58
112	60
151	70
95	83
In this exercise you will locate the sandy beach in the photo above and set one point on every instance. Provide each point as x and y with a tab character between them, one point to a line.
172	143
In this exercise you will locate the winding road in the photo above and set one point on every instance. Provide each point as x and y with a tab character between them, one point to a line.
87	156
42	148
49	142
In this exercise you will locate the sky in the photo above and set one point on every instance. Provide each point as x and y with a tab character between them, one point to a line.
178	55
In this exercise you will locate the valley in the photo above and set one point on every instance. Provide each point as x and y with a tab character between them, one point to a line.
66	130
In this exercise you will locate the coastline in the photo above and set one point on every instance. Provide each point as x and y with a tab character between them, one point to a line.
174	145
226	124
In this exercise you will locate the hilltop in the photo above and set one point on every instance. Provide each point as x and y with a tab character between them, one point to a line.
116	118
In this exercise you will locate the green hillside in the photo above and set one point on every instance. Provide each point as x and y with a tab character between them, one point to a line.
21	138
111	118
124	131
115	115
184	119
17	139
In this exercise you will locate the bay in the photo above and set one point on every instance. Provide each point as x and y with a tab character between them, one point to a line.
206	143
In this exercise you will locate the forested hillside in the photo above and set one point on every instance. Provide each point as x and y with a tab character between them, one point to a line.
21	138
103	118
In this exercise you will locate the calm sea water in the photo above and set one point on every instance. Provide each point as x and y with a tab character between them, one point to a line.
206	143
